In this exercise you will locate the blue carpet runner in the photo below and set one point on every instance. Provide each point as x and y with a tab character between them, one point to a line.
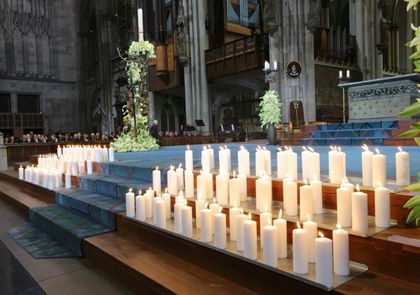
58	230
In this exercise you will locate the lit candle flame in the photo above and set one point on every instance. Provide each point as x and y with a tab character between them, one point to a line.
157	167
365	147
214	200
171	167
242	211
234	203
331	148
204	148
379	183
249	216
338	226
242	147
280	213
320	234
188	147
305	181
220	148
286	147
220	209
234	174
298	224
166	190
339	149
181	194
358	187
209	147
130	190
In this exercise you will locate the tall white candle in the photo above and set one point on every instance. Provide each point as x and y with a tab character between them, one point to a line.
186	220
316	186
189	184
402	167
281	163
316	164
180	177
140	207
265	219
378	169
311	232
267	160
224	160
234	190
359	212
240	219
220	229
172	180
204	185
382	207
21	173
264	193
149	194
307	163
290	196
259	162
167	198
341	251
206	226
243	186
281	226
156	175
291	159
205	159
140	23
189	166
214	208
337	164
179	204
129	203
199	205
300	250
222	188
250	238
211	156
344	206
269	235
306	201
243	161
324	261
232	222
159	214
367	156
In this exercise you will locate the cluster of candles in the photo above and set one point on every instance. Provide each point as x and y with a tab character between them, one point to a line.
69	160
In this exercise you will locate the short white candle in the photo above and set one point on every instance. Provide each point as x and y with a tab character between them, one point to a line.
316	164
281	225
290	196
206	226
180	177
269	235
367	156
205	159
307	163
300	250
260	162
382	207
240	219
172	180
222	188
186	220
306	201
402	166
311	232
140	207
129	203
324	261
341	251
378	169
224	160
159	214
243	186
359	212
204	186
250	238
220	229
156	175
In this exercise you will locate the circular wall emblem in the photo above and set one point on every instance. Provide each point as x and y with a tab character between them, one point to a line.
294	69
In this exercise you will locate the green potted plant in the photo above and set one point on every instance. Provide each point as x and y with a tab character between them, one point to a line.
270	114
414	130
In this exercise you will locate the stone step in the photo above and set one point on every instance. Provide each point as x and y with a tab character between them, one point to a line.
344	141
98	208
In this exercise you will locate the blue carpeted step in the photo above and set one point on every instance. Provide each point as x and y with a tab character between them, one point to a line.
67	227
96	207
111	186
344	141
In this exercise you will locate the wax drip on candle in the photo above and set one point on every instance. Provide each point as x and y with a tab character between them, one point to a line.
280	213
249	216
400	149
338	226
298	224
320	234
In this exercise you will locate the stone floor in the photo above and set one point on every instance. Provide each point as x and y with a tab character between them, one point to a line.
54	276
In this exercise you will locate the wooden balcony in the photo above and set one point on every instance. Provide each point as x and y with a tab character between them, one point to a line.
241	55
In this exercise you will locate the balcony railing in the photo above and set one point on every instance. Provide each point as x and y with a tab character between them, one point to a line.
243	54
334	45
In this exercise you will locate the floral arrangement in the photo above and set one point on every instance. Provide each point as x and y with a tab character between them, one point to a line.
270	112
135	135
414	130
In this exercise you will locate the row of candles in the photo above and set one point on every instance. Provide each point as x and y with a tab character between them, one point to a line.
373	164
71	160
329	256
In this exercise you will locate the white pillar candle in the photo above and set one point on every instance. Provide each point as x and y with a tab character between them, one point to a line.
250	238
172	181
204	186
232	222
264	193
234	190
291	159
402	168
67	180
186	217
311	233
378	169
382	207
21	173
69	165
290	196
300	250
269	237
157	182
211	156
89	167
206	226
265	219
222	188
189	166
344	209
205	160
129	203
306	201
367	156
159	214
337	160
189	184
140	23
179	204
35	176
220	229
167	198
180	177
111	155
341	251
267	160
243	187
281	226
75	168
240	219
307	164
105	157
149	194
51	180
316	164
214	208
243	161
316	186
59	152
281	163
82	166
324	261
359	212
224	160
26	174
57	179
199	205
140	207
259	162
